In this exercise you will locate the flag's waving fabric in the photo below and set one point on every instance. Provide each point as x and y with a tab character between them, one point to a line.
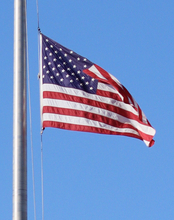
77	94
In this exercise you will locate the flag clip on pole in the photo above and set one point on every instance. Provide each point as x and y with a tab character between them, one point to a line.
19	114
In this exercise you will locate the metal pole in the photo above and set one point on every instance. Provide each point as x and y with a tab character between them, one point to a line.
19	114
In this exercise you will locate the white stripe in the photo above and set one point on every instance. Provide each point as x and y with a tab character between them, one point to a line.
108	88
146	142
116	80
99	111
96	72
101	86
144	119
100	75
85	122
135	103
80	93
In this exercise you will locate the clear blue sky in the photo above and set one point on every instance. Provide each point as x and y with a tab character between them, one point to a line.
89	176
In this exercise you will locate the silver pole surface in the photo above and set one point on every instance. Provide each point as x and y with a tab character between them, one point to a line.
19	114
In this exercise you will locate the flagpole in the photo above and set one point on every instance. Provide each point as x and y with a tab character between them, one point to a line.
19	114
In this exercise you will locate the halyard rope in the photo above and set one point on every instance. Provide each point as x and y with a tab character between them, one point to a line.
42	177
31	138
42	187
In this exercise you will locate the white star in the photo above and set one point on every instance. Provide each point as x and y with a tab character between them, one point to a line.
65	55
60	49
64	63
71	80
63	71
78	71
87	83
91	88
82	77
47	40
68	69
78	58
57	74
61	79
51	77
58	65
72	74
51	46
74	66
81	84
46	48
77	79
67	75
44	67
70	60
85	66
53	68
49	63
50	54
84	59
45	58
60	58
55	51
71	51
54	59
93	79
43	76
47	71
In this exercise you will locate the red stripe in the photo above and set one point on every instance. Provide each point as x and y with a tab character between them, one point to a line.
140	113
95	117
109	95
93	75
112	82
88	115
122	90
109	107
85	129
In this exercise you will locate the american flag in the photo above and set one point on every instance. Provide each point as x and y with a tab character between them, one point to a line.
77	94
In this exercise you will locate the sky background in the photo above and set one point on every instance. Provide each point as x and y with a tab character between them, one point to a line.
91	176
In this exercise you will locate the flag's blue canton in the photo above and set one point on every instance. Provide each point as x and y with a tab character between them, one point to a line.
64	67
